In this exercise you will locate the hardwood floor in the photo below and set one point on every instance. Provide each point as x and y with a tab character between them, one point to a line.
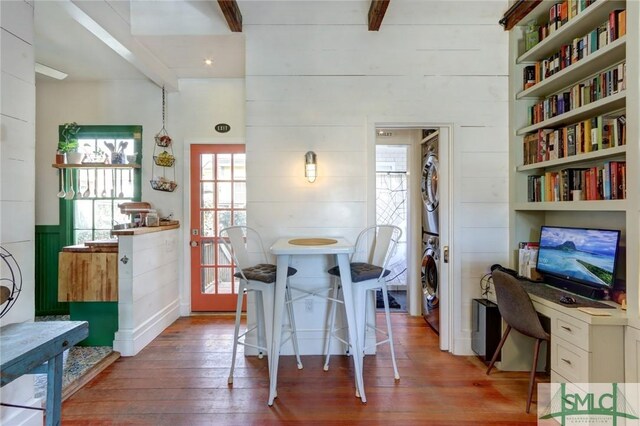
181	379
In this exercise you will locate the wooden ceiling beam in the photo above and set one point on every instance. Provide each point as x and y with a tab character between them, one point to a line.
376	13
232	14
519	10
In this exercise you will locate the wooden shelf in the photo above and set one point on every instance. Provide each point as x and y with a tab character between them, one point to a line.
599	107
600	205
95	166
581	25
602	58
595	155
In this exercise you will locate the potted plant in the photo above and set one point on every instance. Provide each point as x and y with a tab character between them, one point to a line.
68	143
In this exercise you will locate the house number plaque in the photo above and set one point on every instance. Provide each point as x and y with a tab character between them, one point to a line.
222	128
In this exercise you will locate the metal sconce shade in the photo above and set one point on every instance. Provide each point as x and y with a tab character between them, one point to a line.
310	166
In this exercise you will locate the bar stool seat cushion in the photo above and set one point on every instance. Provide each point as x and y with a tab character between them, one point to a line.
361	271
263	272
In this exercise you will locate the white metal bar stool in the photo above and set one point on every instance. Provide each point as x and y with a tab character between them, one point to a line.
374	245
258	278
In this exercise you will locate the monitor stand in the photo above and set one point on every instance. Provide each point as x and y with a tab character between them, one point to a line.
576	288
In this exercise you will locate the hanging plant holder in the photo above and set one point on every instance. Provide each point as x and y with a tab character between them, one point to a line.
164	159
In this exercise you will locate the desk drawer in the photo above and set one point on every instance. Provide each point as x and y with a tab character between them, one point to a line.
570	329
569	361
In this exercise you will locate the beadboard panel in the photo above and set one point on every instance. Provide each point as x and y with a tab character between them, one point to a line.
281	138
19	60
17	19
282	189
481	139
290	163
17	98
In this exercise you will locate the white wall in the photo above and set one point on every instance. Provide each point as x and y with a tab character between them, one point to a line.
17	181
314	87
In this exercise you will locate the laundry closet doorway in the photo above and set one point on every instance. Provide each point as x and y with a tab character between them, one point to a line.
404	187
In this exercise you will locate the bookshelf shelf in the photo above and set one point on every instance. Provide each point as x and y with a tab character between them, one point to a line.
584	22
607	56
615	151
590	206
599	107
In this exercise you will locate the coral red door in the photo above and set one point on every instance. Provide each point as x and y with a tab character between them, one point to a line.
218	200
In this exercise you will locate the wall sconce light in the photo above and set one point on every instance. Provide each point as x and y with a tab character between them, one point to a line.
310	166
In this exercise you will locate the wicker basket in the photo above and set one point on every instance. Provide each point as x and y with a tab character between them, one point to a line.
164	161
167	185
162	138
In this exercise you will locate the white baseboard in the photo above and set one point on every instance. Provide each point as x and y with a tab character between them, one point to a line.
130	342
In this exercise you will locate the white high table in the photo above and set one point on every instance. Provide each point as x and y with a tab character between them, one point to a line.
283	249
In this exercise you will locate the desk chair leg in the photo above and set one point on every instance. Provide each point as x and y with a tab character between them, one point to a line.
332	323
499	348
292	322
532	377
236	333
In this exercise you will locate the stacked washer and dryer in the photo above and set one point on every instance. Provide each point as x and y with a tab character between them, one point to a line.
430	229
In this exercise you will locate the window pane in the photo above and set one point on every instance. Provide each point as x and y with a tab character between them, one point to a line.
207	228
206	172
208	281
225	280
83	214
240	218
207	253
83	235
224	257
224	195
239	172
206	195
224	166
102	234
224	219
103	218
239	195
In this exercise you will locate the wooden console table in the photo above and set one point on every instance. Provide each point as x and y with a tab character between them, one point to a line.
37	347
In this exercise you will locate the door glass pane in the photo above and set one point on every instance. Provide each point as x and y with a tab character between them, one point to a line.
224	219
225	281
240	218
206	195
224	257
239	195
207	225
206	169
208	281
224	167
239	171
224	195
207	253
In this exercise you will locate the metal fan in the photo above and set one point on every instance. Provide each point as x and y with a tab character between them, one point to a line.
486	282
10	281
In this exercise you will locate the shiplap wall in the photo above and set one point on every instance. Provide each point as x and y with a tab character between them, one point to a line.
314	87
17	181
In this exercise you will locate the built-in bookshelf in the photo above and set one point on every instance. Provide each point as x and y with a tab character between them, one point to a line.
549	126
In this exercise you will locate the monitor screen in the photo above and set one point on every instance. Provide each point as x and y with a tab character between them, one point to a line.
582	255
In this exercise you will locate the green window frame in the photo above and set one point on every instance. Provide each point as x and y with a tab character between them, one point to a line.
101	212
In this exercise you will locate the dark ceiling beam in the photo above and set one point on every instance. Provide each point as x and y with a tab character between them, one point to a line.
519	10
376	13
232	14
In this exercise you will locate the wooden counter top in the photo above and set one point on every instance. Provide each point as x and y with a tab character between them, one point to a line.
93	247
164	226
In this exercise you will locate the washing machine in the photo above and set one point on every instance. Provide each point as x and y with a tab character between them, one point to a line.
430	288
429	186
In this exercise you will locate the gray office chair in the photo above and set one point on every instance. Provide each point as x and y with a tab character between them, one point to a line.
518	312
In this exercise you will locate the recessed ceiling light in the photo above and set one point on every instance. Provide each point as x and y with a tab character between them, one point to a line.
208	62
50	72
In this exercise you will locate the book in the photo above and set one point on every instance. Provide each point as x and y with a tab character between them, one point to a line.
571	140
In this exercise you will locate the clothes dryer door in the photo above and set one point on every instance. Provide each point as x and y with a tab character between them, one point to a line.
429	279
429	189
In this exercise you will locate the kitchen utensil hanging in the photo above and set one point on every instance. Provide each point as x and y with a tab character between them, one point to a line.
163	157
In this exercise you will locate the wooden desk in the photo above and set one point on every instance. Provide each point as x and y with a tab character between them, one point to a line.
25	347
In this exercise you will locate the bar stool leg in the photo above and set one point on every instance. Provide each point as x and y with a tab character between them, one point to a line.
292	322
236	332
332	323
260	320
387	315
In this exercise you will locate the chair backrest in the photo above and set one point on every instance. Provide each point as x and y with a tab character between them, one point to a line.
240	242
516	306
377	244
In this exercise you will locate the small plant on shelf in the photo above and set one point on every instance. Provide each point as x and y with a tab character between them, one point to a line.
69	140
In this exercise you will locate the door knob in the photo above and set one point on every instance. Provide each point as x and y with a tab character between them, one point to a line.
194	244
445	254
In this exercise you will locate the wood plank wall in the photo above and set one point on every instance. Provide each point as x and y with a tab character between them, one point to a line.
313	87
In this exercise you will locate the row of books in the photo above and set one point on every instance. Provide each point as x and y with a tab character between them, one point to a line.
604	182
594	134
604	84
607	32
559	14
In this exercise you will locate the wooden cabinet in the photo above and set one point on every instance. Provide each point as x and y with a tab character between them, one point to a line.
87	276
